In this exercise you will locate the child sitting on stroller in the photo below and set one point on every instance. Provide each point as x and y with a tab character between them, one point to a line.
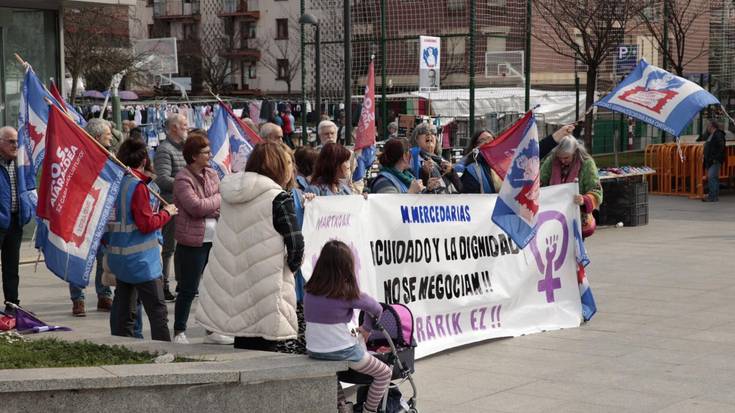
331	296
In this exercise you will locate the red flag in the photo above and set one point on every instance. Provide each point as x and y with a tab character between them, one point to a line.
77	191
365	136
499	152
57	95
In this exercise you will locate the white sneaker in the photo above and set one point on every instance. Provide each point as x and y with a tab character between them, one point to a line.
214	338
181	339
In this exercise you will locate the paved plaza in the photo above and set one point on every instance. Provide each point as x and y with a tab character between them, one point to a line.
662	340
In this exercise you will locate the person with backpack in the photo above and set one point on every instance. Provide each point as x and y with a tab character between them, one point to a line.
395	170
332	295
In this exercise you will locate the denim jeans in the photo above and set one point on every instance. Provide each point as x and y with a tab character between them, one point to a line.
713	181
77	293
190	263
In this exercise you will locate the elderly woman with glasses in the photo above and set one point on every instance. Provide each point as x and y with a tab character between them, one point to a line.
437	173
477	175
196	193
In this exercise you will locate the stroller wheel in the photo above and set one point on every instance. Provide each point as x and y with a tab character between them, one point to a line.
412	410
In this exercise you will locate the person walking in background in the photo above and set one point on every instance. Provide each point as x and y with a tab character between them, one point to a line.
570	162
100	130
392	130
133	247
14	214
714	157
395	173
168	162
196	193
247	289
332	295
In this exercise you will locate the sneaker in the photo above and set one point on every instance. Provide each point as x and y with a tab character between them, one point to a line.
168	297
214	338
104	304
181	339
77	309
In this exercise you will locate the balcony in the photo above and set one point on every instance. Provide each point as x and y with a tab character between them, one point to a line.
183	10
244	53
240	9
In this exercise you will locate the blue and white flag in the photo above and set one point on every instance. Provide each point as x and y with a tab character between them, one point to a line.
659	98
76	195
518	203
33	117
228	142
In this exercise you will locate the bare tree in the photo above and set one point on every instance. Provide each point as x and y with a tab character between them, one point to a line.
94	45
680	17
217	68
586	30
281	55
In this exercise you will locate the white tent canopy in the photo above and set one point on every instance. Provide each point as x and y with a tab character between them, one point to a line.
555	107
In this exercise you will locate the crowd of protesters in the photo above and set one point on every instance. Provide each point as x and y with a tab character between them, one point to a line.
236	243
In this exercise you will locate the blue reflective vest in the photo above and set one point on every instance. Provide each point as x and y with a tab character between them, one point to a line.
132	256
400	186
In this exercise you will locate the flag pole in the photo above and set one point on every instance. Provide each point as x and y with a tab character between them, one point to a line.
240	122
107	152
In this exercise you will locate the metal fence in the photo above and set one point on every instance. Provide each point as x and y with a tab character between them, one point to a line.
489	44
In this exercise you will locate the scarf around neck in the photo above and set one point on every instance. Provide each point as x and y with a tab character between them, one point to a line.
561	174
406	177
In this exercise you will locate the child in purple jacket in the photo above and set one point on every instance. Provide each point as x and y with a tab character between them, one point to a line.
331	296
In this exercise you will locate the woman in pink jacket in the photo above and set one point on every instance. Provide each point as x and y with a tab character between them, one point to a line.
196	192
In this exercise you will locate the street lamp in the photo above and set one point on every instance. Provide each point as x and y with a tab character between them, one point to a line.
307	18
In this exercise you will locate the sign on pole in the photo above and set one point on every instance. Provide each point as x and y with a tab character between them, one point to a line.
429	63
626	58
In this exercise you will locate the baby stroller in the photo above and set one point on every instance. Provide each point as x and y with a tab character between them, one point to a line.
392	342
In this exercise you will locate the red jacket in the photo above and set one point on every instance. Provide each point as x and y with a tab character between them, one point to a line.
197	198
146	219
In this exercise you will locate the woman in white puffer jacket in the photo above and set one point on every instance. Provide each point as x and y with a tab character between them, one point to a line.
247	290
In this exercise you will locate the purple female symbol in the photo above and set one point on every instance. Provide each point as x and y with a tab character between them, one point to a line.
550	283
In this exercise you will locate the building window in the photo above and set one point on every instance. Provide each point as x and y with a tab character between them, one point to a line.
283	66
496	44
252	73
189	30
498	3
281	29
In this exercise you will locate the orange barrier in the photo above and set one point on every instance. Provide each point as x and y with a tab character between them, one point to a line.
684	177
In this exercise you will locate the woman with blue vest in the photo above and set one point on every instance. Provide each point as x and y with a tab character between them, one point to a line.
395	170
133	249
332	172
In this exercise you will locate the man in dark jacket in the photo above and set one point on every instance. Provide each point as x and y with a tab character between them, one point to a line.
13	215
714	156
168	162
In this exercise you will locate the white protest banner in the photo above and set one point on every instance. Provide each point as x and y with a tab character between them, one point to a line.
461	276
